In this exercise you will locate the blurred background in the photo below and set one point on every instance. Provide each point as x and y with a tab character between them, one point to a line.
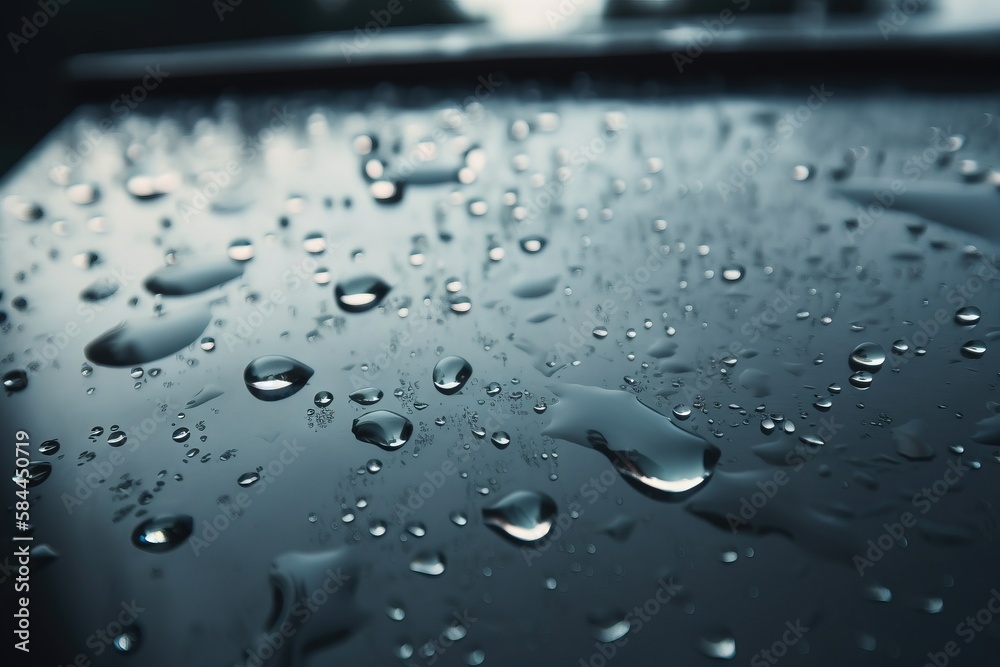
43	35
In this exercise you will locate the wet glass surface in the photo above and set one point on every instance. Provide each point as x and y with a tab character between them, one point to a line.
744	346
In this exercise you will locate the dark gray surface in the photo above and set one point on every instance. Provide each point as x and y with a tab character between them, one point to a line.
204	608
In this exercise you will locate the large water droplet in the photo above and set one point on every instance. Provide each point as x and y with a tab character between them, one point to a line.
523	515
608	625
275	377
720	645
15	380
968	316
429	563
294	575
367	396
867	357
645	447
129	639
241	250
49	447
733	273
100	289
37	472
861	379
248	479
450	374
141	341
383	428
361	293
162	533
192	277
911	440
973	349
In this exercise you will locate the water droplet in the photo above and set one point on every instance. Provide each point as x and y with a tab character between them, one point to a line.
128	641
367	396
900	347
38	472
861	379
607	625
645	447
450	374
248	479
141	341
523	515
15	380
207	343
49	447
323	399
361	293
500	439
383	428
458	518
533	244
429	563
292	574
181	434
720	645
540	407
395	612
377	528
274	377
240	250
733	273
460	304
100	289
867	357
973	349
600	332
968	316
911	442
191	277
314	243
823	404
162	533
117	438
682	412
